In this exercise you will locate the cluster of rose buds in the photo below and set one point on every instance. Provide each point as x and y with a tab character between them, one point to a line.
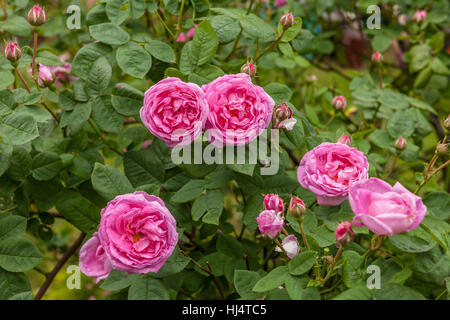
282	117
36	16
249	68
13	52
400	143
377	57
420	15
287	20
344	234
339	102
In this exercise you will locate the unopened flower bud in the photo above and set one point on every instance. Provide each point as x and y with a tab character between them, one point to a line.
344	234
345	139
400	143
339	102
377	57
442	148
12	51
297	208
273	202
249	68
282	117
311	78
36	16
447	123
420	15
287	20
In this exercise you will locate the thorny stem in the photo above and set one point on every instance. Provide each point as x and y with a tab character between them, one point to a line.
52	274
333	264
305	241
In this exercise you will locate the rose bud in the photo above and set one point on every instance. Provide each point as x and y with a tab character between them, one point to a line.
420	15
311	78
287	20
377	57
282	117
297	208
270	223
249	68
339	102
345	139
447	123
344	234
442	148
400	143
36	16
273	202
13	52
290	246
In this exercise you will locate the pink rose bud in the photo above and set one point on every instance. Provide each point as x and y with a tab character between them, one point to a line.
182	38
138	232
249	68
344	234
297	208
290	245
339	102
191	32
447	123
420	15
442	148
13	52
280	3
383	209
330	169
93	259
377	57
36	16
281	113
345	139
273	202
287	20
400	143
270	223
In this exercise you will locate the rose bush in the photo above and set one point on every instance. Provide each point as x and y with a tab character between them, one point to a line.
100	100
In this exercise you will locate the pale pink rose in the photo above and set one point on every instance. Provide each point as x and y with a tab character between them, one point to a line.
270	223
182	37
420	15
138	232
174	111
93	259
62	73
239	111
45	77
344	233
290	245
339	102
330	169
273	202
385	210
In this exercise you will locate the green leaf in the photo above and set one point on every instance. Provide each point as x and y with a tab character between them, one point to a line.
399	124
355	293
175	264
439	230
18	255
117	280
302	263
20	164
12	226
244	282
99	77
46	166
109	33
211	203
255	27
18	128
6	78
205	44
47	58
245	168
279	92
144	287
142	167
189	191
17	26
292	32
381	42
230	246
161	51
109	182
297	134
414	241
117	10
12	284
272	280
391	291
105	115
39	114
227	28
76	119
87	56
127	100
5	156
133	59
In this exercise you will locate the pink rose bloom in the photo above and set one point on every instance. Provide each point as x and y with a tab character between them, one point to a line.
385	210
182	37
174	111
290	245
45	77
330	169
420	15
138	232
62	73
93	260
273	202
339	102
270	223
239	111
344	233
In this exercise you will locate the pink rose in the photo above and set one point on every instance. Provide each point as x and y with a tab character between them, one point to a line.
297	207
174	111
239	111
330	169
270	223
290	245
385	210
273	202
420	15
62	73
344	233
45	77
339	102
93	260
182	37
138	232
191	32
345	139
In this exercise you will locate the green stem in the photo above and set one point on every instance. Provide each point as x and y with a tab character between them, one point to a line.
165	25
305	241
336	257
33	65
273	45
179	18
